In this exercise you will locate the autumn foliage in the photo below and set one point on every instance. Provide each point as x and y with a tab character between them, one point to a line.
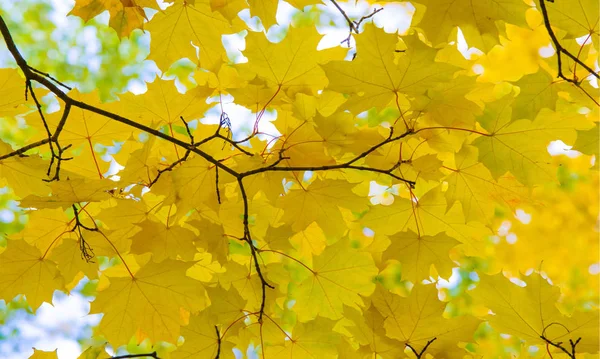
279	241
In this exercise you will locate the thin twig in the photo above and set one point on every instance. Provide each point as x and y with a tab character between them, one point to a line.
218	342
353	26
181	160
422	352
150	355
50	77
253	251
559	345
24	149
87	252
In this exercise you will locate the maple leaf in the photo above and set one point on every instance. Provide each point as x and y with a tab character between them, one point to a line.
417	319
537	91
149	303
12	90
337	277
417	254
125	15
41	354
367	330
376	77
66	193
578	18
477	21
24	175
520	146
25	270
201	339
292	65
173	29
530	312
587	141
94	352
319	202
314	339
67	255
163	242
472	184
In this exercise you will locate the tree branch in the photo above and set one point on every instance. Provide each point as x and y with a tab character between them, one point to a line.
560	49
150	355
253	250
353	25
559	345
34	76
422	352
218	342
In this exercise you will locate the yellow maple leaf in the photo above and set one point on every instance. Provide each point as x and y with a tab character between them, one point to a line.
320	203
25	270
292	65
24	175
163	241
367	330
376	77
417	319
476	20
520	147
12	93
41	354
125	15
173	29
314	339
472	184
148	304
338	277
530	312
68	192
417	254
201	340
578	18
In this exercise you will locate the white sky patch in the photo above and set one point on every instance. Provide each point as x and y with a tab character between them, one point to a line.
452	281
523	216
547	51
518	282
7	216
382	194
478	69
368	232
395	17
53	327
504	228
558	147
594	269
584	40
467	52
511	238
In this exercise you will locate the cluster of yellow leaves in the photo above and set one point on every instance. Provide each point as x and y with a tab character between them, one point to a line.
461	141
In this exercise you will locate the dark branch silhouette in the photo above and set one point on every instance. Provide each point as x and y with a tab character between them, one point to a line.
422	352
352	24
147	355
561	50
573	344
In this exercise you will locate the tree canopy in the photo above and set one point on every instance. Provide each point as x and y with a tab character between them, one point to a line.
428	192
